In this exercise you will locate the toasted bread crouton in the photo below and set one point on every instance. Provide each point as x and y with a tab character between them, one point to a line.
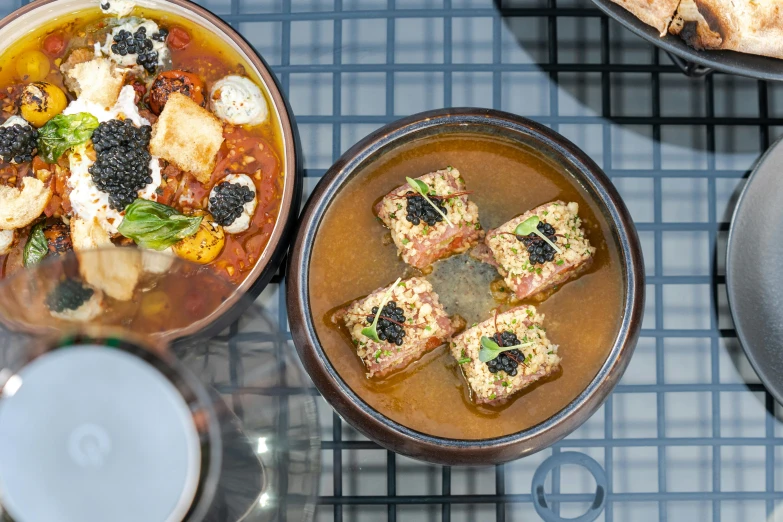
19	208
98	81
75	57
109	268
188	136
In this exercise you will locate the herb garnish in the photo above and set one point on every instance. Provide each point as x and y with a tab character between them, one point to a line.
424	189
490	349
530	226
371	331
156	226
37	247
63	132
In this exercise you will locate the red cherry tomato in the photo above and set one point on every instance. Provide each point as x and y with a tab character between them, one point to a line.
175	81
54	44
178	38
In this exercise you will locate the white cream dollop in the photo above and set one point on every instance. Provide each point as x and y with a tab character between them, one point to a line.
6	240
157	262
241	223
238	101
117	7
123	108
87	201
14	120
132	25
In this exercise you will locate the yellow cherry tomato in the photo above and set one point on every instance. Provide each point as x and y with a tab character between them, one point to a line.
205	245
155	304
32	66
40	102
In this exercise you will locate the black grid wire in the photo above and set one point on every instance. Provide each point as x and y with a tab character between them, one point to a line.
689	434
709	430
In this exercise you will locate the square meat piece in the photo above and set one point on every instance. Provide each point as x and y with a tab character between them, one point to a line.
426	325
512	259
421	244
538	358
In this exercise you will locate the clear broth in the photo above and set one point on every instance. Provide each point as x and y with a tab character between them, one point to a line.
350	260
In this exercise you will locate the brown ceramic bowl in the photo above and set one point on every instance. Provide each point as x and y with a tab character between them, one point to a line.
41	12
391	434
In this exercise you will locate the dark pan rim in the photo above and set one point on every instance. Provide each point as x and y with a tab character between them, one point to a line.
336	390
268	262
741	64
776	389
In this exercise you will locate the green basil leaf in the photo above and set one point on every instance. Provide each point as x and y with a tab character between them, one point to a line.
63	132
527	227
37	247
156	226
418	185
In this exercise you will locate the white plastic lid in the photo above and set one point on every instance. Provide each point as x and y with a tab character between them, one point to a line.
90	434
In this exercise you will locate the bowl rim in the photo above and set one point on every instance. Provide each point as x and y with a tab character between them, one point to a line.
394	435
276	248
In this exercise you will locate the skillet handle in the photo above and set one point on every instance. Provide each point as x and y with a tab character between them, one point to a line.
690	69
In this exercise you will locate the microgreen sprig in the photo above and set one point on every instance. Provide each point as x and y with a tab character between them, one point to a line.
530	226
490	349
371	331
423	189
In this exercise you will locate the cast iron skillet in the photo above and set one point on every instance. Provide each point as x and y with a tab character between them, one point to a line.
753	270
693	62
377	426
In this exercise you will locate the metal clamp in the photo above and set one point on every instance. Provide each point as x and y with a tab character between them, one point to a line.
570	457
693	70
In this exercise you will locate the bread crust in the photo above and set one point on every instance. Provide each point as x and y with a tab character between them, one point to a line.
747	27
20	207
657	13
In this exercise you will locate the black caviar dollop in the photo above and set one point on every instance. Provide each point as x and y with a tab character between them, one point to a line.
507	361
18	143
122	167
387	330
227	201
69	294
161	35
540	251
420	210
137	43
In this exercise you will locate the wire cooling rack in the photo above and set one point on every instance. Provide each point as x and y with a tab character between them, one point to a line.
689	434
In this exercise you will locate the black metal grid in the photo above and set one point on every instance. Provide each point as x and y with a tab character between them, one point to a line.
677	149
697	131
